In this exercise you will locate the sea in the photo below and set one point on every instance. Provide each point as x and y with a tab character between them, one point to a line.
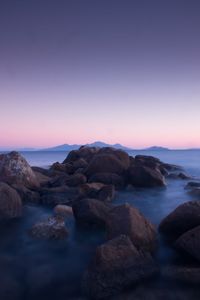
32	269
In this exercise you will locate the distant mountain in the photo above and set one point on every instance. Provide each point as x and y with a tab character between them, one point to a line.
67	147
157	148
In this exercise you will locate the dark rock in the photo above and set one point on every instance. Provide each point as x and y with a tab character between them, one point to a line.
187	274
83	152
195	192
52	228
189	242
117	265
141	176
108	178
90	211
97	190
65	168
181	175
107	193
69	180
41	178
192	184
58	195
80	163
185	217
14	169
126	219
27	195
10	288
106	163
10	202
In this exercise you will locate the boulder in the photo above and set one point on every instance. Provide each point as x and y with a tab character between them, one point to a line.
64	168
84	152
58	195
180	175
52	228
108	178
90	211
14	169
27	195
185	217
117	265
189	242
63	210
97	190
192	185
80	163
143	176
106	163
10	202
126	219
69	180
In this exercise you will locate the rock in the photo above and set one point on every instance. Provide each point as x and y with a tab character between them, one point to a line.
117	265
80	163
41	178
97	190
69	180
90	211
187	274
185	217
65	168
181	175
26	194
58	195
14	169
143	176
83	152
192	184
10	202
195	192
106	163
63	210
189	242
52	228
107	193
108	178
126	219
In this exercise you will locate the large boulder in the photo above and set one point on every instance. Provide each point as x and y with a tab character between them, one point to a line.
90	211
108	178
84	152
27	195
69	180
64	168
145	176
126	219
185	217
14	169
97	190
189	242
117	265
52	228
10	202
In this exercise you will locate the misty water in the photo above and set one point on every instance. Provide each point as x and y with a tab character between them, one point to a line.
53	269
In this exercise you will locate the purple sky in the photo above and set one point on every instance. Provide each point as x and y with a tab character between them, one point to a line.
75	71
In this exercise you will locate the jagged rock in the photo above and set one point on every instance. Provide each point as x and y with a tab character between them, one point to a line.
189	242
52	228
185	217
10	202
90	211
126	219
14	169
108	178
63	210
117	265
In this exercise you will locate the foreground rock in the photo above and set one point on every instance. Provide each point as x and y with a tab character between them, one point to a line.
52	228
126	219
90	211
186	274
58	195
14	169
185	217
189	242
63	210
117	264
105	193
10	202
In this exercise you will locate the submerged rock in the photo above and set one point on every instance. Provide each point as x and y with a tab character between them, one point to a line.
126	219
185	217
52	228
117	265
14	169
189	242
90	211
10	202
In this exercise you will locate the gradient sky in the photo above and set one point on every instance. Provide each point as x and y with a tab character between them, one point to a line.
76	71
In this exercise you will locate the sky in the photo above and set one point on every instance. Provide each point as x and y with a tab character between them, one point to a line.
74	71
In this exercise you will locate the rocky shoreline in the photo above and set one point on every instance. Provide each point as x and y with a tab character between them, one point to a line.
84	188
